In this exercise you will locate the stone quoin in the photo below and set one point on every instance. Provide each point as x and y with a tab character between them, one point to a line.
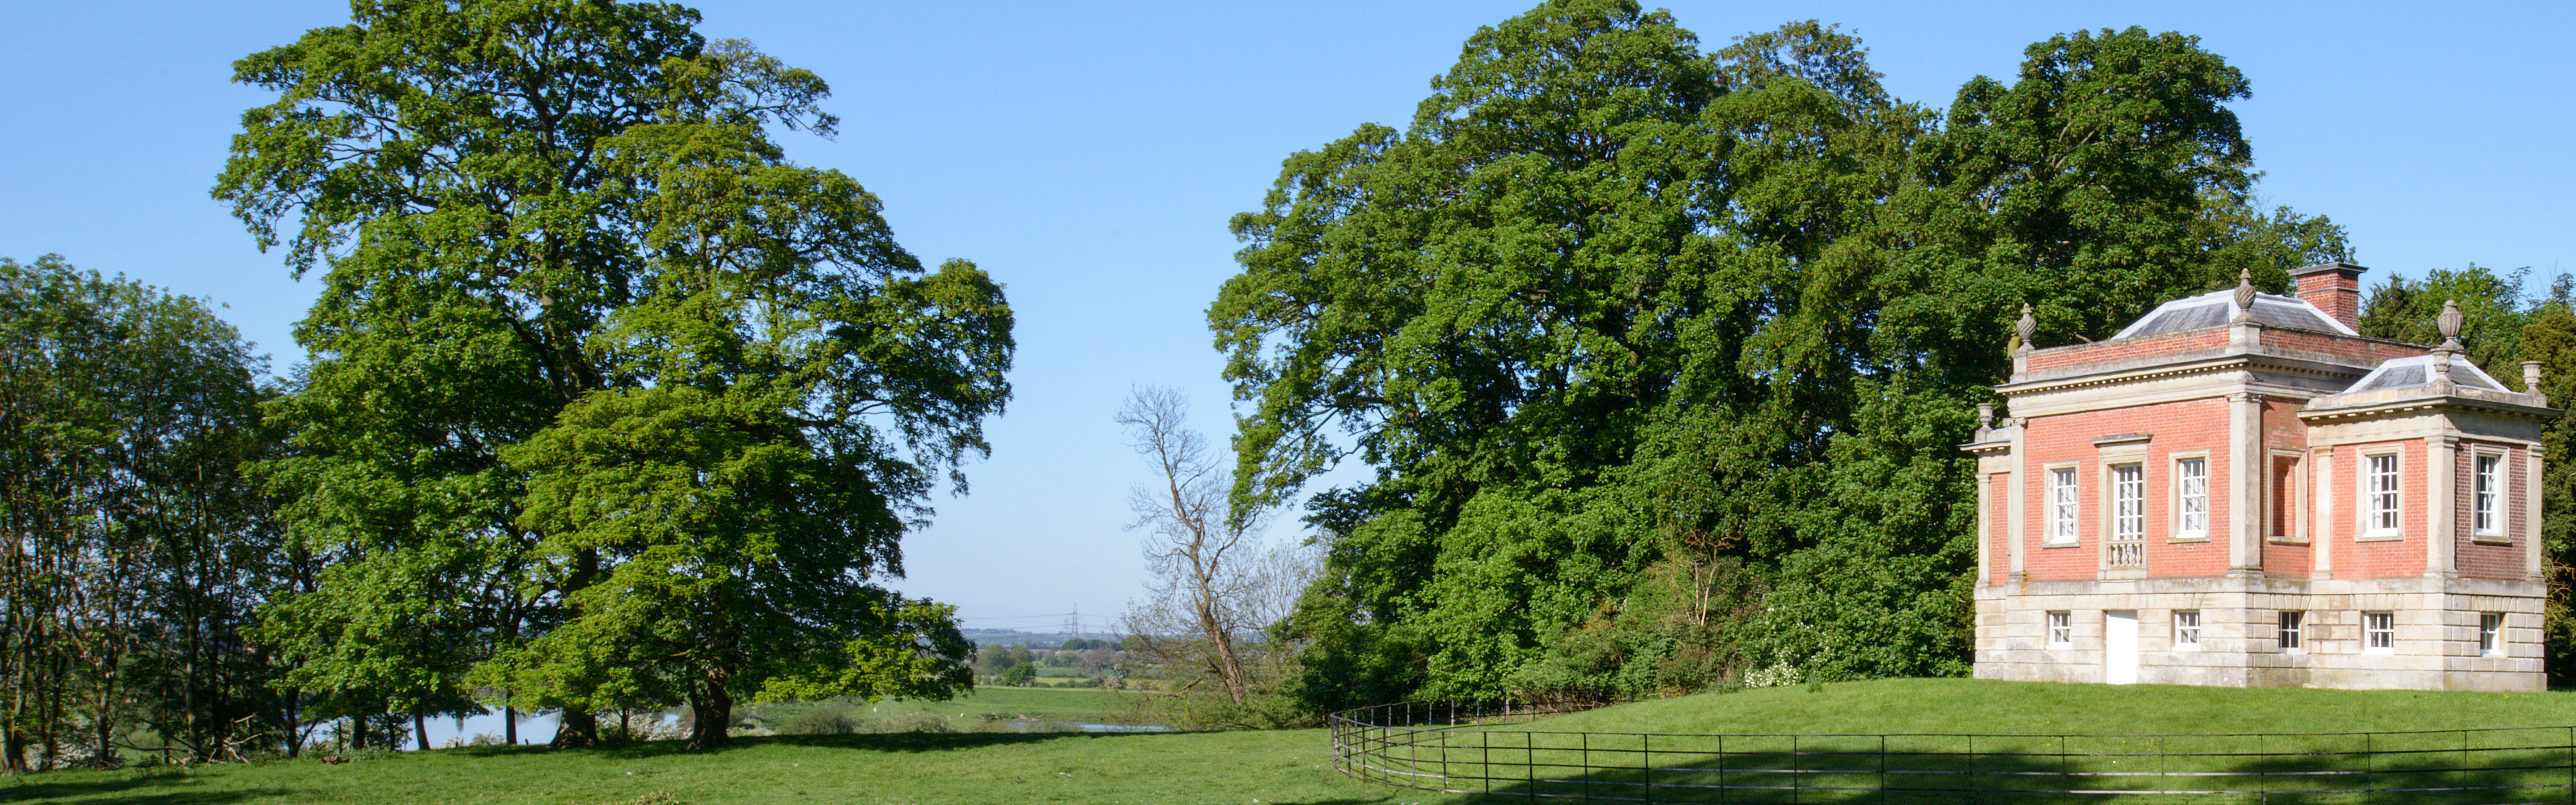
2240	489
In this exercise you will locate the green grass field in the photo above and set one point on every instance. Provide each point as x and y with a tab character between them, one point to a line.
2183	744
1921	706
914	769
1292	766
1066	705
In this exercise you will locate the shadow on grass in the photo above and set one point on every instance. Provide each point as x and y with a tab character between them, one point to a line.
874	742
2469	768
142	787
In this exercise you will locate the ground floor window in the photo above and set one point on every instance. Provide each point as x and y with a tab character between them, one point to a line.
2379	632
2490	634
2187	630
2289	634
2061	630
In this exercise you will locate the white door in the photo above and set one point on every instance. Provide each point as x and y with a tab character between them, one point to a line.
2120	646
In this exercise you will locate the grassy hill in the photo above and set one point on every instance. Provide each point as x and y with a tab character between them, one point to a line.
1967	706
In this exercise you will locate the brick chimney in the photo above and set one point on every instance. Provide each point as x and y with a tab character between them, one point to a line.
2334	288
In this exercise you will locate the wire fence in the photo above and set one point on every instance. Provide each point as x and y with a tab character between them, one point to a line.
1455	747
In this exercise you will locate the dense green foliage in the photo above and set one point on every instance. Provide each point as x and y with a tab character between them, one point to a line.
610	405
1661	356
135	551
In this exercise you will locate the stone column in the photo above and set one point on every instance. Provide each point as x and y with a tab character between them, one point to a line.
2245	473
1985	527
2441	513
2321	511
2018	512
2531	548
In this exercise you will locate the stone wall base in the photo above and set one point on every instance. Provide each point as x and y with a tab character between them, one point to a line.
2436	645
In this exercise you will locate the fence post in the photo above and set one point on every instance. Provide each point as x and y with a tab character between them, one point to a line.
1587	765
1646	750
1797	793
1721	770
1882	770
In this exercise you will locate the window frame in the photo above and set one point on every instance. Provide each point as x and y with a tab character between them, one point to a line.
2065	505
2487	479
2124	521
2185	496
2490	634
2379	632
2061	628
2286	632
2372	496
2186	630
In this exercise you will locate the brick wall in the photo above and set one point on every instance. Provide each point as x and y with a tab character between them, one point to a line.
1998	527
2287	487
2474	560
2186	426
2055	358
2381	559
2369	350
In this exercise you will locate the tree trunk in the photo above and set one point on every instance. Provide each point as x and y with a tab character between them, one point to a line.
419	728
291	715
509	723
579	729
359	739
711	710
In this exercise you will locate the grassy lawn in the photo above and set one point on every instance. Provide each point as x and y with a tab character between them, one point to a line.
1292	767
916	769
1074	705
1926	706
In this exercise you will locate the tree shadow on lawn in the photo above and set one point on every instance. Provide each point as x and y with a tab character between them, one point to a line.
132	787
878	742
2435	769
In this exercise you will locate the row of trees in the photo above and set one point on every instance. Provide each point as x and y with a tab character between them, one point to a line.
609	406
1661	356
137	549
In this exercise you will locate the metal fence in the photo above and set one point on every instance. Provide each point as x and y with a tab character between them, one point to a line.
1456	747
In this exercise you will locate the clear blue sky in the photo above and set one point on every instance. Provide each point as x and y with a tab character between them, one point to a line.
1088	155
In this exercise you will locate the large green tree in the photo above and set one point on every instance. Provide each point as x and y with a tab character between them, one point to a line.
610	404
1661	356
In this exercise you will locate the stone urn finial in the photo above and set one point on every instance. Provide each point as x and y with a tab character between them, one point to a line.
2244	291
2027	327
2449	322
2531	381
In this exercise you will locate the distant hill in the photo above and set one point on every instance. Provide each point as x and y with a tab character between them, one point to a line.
1035	640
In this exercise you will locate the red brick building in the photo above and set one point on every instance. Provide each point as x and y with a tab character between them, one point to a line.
2239	489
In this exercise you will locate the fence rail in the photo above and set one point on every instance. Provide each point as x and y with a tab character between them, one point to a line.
1459	747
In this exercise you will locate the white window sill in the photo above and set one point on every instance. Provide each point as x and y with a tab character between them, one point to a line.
2380	536
2187	647
2282	539
2065	544
2491	539
2380	652
2203	537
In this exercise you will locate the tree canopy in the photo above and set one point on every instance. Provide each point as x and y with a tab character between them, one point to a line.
135	551
1661	356
610	403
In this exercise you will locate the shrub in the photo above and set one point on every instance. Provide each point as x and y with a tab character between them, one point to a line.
906	722
820	721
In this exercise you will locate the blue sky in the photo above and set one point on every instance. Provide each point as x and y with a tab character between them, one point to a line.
1089	154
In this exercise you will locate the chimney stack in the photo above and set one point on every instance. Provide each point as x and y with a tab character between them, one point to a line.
2334	288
